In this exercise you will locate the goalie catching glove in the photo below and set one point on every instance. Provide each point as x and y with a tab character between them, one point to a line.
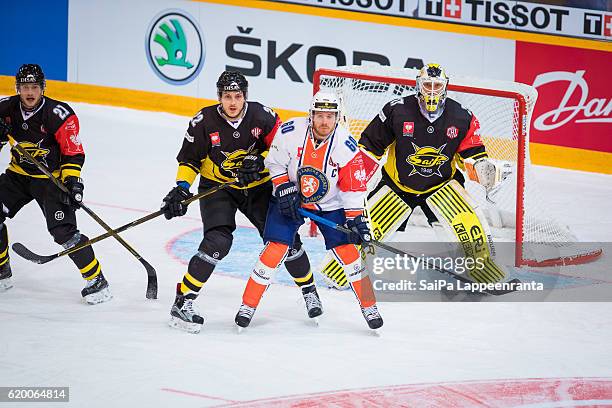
485	171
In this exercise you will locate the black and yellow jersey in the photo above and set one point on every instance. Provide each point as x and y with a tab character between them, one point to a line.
50	133
214	147
422	155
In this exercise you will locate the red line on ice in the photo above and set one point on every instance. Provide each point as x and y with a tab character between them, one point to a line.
196	394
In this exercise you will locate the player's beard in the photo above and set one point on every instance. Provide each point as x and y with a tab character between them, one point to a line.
320	134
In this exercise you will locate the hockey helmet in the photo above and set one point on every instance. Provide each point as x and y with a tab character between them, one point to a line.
431	83
232	81
325	102
30	74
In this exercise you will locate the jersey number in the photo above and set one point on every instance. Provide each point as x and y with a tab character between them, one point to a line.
287	127
270	111
196	119
351	143
60	111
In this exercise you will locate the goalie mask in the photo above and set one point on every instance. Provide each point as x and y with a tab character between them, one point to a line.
431	85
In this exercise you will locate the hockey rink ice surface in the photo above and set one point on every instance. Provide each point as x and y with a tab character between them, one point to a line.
123	353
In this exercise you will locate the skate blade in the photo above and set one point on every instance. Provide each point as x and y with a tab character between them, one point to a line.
375	332
6	284
315	321
99	297
193	328
239	329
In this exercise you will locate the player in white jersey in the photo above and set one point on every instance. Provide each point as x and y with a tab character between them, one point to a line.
315	164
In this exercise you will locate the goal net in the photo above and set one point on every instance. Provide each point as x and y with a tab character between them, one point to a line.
515	209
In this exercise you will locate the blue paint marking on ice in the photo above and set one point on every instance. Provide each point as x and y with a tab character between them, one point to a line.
244	253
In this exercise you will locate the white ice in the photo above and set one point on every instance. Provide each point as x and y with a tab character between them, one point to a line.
122	353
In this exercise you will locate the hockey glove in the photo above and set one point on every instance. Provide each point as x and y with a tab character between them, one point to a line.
172	205
288	200
360	231
74	196
252	166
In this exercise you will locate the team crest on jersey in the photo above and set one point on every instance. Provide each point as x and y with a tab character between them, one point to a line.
408	129
313	184
426	161
37	152
256	132
452	132
215	139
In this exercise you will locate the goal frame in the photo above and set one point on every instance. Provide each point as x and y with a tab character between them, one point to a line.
522	137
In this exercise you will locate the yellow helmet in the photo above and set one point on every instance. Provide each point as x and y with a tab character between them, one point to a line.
431	85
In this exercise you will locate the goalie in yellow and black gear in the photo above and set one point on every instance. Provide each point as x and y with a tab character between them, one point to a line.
427	138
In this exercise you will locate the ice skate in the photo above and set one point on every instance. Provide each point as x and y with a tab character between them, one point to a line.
185	316
244	316
5	277
96	290
314	308
372	317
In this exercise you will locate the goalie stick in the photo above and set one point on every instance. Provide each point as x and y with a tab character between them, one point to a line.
25	253
151	292
388	248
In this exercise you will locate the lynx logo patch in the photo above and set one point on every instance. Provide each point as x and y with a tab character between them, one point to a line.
313	184
426	161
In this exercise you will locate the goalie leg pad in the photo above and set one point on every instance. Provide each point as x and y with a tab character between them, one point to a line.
457	212
386	212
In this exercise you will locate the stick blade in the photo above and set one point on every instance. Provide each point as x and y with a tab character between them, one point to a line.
152	287
25	253
151	279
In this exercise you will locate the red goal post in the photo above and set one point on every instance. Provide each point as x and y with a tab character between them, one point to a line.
504	110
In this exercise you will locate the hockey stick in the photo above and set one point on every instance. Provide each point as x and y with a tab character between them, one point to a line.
151	273
388	248
24	252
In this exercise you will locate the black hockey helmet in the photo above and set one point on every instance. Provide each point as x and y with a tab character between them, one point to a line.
232	81
30	74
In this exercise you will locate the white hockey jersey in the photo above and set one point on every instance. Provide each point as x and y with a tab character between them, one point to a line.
330	176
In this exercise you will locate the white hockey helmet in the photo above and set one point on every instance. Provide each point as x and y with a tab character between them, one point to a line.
431	83
325	102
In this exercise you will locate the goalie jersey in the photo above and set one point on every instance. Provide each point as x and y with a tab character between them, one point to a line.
422	155
330	175
214	147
